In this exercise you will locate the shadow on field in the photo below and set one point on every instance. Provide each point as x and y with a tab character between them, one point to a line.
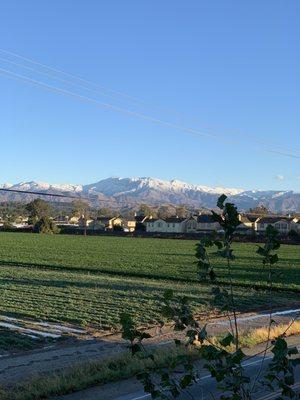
238	281
120	287
257	259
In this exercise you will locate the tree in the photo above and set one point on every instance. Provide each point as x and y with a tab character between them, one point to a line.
182	211
260	210
127	214
166	211
38	209
81	210
224	358
145	210
45	225
105	212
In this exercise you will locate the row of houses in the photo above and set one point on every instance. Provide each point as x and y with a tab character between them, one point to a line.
206	223
193	224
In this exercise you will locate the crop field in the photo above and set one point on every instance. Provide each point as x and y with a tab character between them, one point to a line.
90	299
151	258
89	281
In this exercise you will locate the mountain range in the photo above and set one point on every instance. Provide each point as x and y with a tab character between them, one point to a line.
119	192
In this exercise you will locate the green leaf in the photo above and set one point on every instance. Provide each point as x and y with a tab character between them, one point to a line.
220	202
227	340
202	334
186	381
238	356
273	259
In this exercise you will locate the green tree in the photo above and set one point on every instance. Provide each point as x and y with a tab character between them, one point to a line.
45	225
38	209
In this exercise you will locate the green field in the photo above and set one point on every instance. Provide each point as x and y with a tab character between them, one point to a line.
90	280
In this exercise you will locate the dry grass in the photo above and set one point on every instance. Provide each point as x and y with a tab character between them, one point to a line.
256	336
260	335
86	375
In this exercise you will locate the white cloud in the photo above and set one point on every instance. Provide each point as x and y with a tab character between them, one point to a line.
280	177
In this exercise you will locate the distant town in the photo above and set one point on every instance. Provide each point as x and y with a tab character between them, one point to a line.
166	219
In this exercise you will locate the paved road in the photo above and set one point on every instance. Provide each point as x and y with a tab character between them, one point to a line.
131	389
23	366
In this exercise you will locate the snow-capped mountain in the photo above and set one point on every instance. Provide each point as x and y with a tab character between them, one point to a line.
42	186
133	191
119	186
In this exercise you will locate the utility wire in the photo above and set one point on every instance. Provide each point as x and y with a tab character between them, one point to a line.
280	150
85	81
83	98
41	193
50	75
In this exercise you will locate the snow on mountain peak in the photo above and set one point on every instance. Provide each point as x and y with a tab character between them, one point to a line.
43	186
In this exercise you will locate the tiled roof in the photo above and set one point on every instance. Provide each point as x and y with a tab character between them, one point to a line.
175	220
273	220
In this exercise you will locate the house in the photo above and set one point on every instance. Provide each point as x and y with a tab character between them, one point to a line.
169	225
206	223
191	224
155	225
106	223
20	222
129	225
246	225
282	223
253	219
61	220
175	225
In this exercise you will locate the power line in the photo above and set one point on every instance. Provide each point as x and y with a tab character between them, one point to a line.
52	88
69	93
114	93
85	81
42	193
50	75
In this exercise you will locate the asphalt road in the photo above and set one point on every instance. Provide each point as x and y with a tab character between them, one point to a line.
132	390
205	388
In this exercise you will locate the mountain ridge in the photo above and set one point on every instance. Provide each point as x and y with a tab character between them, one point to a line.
117	191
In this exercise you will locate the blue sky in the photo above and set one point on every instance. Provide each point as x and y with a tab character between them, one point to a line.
230	69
